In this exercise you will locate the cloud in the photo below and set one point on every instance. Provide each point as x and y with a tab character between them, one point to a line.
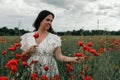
69	14
15	7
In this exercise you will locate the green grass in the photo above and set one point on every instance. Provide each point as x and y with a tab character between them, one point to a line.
104	67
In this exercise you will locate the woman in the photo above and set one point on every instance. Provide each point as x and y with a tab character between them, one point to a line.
45	47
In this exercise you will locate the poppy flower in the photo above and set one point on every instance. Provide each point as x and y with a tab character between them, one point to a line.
24	63
80	43
13	48
4	52
46	67
88	78
3	78
18	56
44	77
34	76
78	55
89	44
56	77
69	67
36	35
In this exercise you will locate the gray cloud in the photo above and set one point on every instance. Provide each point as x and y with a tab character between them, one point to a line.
69	14
59	3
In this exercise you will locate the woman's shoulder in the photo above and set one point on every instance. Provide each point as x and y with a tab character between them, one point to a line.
55	40
54	35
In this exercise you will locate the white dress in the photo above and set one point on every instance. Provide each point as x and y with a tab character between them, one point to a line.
44	53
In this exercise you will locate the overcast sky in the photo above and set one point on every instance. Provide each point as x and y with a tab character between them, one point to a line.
69	14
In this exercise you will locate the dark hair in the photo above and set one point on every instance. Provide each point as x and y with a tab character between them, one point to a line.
40	18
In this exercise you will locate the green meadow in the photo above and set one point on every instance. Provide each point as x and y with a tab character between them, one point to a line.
103	66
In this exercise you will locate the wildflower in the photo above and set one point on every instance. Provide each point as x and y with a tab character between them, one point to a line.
11	62
13	48
56	77
89	44
25	57
43	77
84	47
25	64
17	44
69	67
4	52
46	67
80	43
13	68
36	35
34	76
78	54
102	50
3	78
12	65
88	78
94	52
17	56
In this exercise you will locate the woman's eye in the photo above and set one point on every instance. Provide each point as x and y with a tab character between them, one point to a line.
48	20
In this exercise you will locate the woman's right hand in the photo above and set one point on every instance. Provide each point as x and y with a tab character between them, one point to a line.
79	59
32	49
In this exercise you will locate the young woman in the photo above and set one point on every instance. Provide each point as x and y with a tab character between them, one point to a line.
45	47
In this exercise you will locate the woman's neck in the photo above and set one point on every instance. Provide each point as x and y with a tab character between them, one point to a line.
42	31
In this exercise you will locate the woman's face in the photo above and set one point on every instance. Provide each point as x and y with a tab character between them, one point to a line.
47	22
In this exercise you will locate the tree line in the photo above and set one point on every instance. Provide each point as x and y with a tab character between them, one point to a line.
89	32
4	31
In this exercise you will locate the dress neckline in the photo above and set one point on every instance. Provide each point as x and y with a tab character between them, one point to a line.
43	39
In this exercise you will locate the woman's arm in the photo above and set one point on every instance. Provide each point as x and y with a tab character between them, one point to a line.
61	57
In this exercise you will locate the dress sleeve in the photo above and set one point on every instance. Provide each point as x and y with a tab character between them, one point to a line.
24	42
27	40
57	41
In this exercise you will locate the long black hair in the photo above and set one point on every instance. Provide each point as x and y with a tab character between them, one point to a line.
40	18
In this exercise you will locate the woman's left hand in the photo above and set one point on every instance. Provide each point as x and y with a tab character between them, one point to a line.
79	59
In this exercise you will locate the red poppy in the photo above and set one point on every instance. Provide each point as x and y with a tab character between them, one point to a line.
46	67
56	77
13	48
4	52
89	44
88	78
36	35
13	68
69	67
3	78
44	77
78	55
34	76
24	63
25	57
94	52
12	65
80	43
11	62
17	56
17	44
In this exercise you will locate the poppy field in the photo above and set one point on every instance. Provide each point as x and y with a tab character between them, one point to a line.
101	59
